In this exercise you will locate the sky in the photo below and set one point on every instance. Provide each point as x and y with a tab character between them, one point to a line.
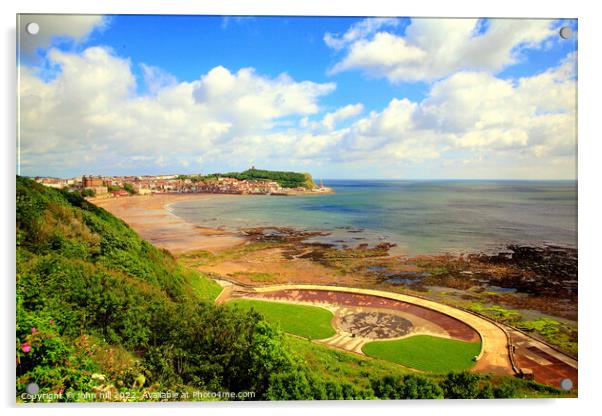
339	97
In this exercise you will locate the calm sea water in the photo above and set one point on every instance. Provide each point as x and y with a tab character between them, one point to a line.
420	216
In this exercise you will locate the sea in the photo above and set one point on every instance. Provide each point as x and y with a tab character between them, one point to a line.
419	216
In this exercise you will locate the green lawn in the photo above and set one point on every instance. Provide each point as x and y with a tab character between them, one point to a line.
306	321
427	353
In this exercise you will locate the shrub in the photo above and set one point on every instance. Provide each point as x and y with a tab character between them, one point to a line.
462	385
291	385
93	296
407	387
88	193
505	390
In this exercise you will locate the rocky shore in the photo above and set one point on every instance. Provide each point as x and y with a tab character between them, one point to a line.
529	287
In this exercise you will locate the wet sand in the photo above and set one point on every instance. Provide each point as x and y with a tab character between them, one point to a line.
150	217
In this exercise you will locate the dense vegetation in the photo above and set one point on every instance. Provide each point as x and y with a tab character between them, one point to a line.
285	179
426	353
101	311
384	379
305	321
99	308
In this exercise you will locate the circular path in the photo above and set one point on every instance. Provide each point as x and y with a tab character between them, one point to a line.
375	325
548	365
457	323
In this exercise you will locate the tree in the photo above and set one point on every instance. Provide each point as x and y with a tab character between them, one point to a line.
409	387
462	385
291	385
129	188
505	390
267	356
87	192
416	387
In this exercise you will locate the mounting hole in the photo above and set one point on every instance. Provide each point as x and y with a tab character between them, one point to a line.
32	388
566	384
32	28
566	32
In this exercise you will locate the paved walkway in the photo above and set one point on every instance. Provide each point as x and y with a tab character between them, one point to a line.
548	365
346	341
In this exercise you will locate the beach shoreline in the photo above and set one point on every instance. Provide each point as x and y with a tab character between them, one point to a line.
264	256
150	216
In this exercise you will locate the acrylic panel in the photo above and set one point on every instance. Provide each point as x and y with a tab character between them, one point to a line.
295	208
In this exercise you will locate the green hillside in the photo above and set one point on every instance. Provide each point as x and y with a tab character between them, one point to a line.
285	179
100	308
102	312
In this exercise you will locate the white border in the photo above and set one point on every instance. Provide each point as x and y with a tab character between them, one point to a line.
589	187
459	8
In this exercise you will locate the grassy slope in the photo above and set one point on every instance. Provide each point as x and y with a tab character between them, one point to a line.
305	321
427	353
336	365
93	297
204	287
58	226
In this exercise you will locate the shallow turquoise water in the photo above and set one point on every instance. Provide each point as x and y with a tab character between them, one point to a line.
420	216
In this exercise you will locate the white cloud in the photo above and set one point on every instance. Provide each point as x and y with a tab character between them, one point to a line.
74	27
533	116
246	99
359	30
433	49
156	78
465	101
491	124
390	136
91	110
332	119
91	117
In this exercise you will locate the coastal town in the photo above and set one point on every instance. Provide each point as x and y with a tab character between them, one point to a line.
123	186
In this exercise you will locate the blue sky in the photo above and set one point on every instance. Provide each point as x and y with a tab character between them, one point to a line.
372	98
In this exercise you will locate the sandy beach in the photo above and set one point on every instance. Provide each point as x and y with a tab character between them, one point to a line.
150	217
265	263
